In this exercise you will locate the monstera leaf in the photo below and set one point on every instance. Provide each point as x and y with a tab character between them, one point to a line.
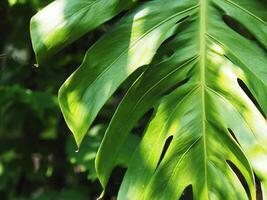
205	80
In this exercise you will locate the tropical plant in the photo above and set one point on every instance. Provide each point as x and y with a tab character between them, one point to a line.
204	75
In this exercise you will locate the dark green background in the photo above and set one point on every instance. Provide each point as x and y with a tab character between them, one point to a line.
37	151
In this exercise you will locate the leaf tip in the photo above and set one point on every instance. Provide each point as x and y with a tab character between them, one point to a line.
101	195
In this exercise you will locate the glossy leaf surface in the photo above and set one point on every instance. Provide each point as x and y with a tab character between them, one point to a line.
207	85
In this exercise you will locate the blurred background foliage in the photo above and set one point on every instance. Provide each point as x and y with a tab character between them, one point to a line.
38	158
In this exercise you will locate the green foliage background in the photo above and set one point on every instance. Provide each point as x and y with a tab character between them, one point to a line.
37	151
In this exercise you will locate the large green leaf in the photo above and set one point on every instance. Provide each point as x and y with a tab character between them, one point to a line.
199	114
207	86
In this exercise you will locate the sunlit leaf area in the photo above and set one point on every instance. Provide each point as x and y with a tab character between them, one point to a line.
133	100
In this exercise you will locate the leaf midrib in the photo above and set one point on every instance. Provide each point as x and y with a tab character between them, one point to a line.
202	39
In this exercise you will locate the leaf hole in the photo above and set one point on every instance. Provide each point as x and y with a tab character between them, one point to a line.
165	148
114	182
259	195
250	96
169	51
243	31
187	193
168	40
175	86
142	123
240	177
233	135
182	19
164	50
238	27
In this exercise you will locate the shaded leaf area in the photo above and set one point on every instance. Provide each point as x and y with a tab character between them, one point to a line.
204	78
